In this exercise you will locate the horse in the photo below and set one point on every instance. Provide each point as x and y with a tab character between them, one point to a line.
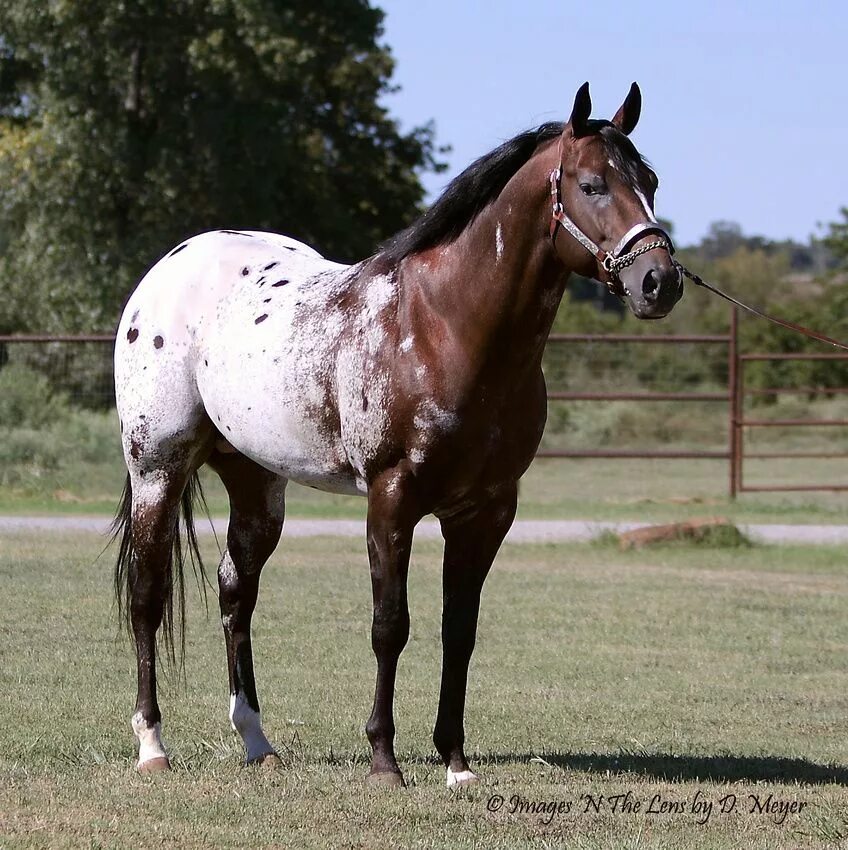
412	378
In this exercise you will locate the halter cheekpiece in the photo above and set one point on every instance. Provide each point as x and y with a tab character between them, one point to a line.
613	261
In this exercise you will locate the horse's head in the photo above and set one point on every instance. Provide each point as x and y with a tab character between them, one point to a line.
603	224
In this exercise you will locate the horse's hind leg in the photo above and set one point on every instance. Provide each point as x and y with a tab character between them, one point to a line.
166	436
154	516
257	507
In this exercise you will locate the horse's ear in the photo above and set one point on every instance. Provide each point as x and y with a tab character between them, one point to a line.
581	112
628	114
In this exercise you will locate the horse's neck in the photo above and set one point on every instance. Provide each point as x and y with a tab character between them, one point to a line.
499	284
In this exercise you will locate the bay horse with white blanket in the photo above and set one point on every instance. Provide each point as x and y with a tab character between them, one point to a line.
412	378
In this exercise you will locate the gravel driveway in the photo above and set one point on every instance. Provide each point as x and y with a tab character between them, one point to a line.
523	531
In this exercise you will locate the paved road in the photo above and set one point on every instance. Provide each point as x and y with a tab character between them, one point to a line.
523	531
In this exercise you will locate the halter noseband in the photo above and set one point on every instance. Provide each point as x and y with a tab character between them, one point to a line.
611	262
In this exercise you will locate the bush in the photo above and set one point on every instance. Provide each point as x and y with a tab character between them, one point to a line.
27	399
29	447
632	424
79	451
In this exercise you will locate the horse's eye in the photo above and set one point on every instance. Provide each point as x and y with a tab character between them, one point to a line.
595	188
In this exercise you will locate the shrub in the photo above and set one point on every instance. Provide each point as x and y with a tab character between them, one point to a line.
27	400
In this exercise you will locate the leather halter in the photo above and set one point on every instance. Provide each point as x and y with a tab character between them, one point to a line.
612	262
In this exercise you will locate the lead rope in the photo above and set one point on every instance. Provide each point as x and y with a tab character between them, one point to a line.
784	323
613	263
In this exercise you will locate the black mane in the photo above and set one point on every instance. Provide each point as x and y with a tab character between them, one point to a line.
467	194
481	183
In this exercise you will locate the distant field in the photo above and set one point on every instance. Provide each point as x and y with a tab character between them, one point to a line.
676	672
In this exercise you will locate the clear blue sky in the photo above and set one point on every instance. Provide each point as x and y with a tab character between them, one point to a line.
745	103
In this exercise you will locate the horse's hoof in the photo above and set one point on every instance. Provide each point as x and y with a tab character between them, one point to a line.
269	761
387	779
155	765
462	778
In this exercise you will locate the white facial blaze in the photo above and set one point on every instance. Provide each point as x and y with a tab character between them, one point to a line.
499	243
646	206
649	213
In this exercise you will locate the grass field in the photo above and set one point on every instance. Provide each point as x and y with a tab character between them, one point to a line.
679	674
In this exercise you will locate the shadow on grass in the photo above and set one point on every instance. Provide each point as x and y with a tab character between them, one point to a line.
662	766
682	768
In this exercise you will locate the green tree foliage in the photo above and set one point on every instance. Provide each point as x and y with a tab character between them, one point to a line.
127	126
837	238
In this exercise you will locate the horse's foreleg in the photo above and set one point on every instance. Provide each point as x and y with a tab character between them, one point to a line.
471	543
257	506
392	515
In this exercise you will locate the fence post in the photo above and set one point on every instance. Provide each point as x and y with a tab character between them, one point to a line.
733	387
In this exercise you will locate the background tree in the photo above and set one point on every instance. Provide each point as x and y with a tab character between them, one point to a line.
837	238
125	127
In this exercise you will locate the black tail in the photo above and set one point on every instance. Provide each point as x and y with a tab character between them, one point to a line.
174	575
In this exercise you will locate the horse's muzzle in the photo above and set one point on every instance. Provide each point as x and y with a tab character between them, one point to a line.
660	289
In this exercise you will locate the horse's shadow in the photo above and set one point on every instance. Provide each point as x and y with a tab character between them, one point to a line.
723	768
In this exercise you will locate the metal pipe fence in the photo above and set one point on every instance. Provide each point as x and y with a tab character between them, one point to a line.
82	365
726	396
742	422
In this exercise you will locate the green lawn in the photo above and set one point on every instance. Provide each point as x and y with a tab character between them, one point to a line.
677	672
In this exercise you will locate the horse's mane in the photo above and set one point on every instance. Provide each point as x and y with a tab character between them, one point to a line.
467	194
481	183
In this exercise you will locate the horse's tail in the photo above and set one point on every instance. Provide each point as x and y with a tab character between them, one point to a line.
126	566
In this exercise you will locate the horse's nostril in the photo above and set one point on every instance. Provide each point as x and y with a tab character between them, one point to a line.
650	286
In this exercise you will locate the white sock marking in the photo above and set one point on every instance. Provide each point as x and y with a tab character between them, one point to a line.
247	723
455	779
149	739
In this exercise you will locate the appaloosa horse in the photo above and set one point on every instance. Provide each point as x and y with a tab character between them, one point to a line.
413	378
